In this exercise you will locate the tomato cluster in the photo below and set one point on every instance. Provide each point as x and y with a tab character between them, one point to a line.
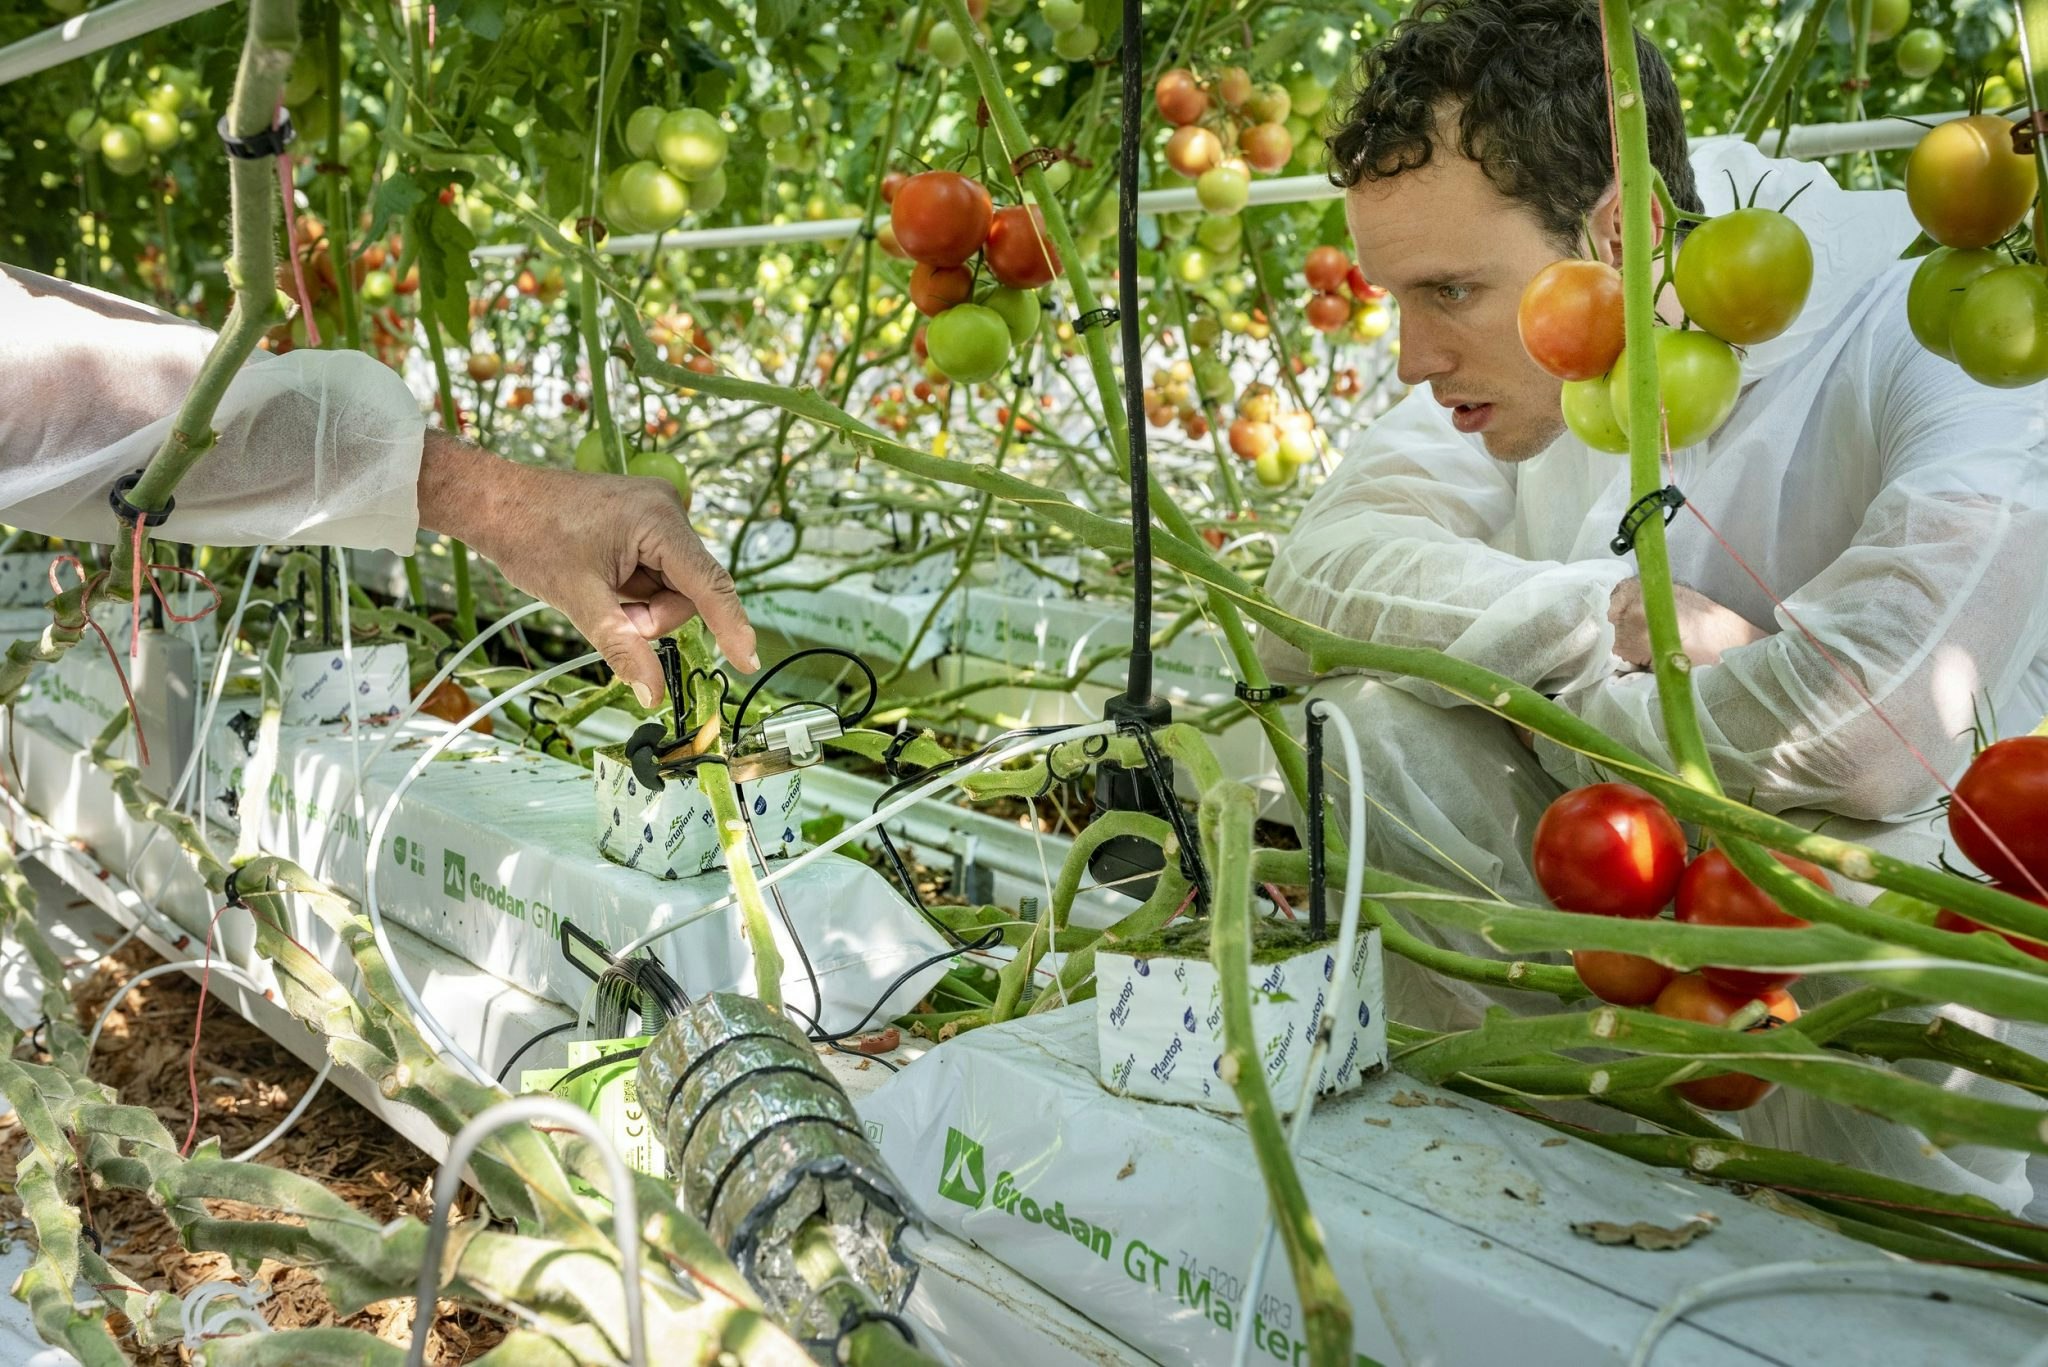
1970	187
1277	444
1741	277
1342	295
1223	132
679	168
940	220
1612	849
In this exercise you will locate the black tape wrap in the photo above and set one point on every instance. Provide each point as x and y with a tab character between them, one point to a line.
117	499
269	143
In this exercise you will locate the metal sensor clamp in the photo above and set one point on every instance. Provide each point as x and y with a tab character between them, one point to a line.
789	739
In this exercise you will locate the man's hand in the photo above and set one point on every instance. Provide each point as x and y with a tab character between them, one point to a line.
616	554
1706	630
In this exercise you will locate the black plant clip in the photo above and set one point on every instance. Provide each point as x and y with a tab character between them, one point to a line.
1641	511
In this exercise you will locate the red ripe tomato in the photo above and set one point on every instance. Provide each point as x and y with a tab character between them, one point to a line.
1623	979
1570	319
1608	849
1328	312
1691	997
1362	288
941	217
1266	146
891	183
2005	792
934	289
1180	97
1963	925
1326	268
1714	892
1019	254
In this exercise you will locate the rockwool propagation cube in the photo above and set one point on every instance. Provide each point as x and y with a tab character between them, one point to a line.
1159	1021
670	832
316	688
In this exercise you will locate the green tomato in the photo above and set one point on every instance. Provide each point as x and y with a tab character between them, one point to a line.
1223	190
1220	235
1268	104
1077	44
1019	310
1744	276
165	97
1937	288
1700	378
777	121
661	465
85	127
2000	330
1102	216
1920	53
1059	175
312	120
1589	412
121	147
1061	15
691	143
377	288
305	78
708	193
655	199
946	46
1212	378
1192	265
159	130
1308	94
2016	74
968	343
1887	17
613	207
641	127
1272	469
355	139
1998	94
590	454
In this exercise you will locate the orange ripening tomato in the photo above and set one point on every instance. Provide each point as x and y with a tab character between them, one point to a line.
1325	268
1622	979
1570	319
451	703
1691	997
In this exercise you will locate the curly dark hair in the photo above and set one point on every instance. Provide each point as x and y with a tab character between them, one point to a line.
1527	82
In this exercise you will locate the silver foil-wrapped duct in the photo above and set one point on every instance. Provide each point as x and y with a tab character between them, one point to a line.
762	1140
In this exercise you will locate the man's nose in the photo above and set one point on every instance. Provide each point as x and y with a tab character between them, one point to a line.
1422	359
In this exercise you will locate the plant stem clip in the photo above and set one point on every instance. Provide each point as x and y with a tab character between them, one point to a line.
1641	511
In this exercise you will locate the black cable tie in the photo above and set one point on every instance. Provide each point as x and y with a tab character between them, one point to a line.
905	67
1255	696
35	1036
857	1315
1641	511
231	886
269	143
893	756
117	497
1096	318
869	231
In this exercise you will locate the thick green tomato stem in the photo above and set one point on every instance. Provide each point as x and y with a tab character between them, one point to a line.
2034	43
1228	811
590	327
1646	428
340	231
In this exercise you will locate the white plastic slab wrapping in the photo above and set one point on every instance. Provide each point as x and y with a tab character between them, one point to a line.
79	694
1448	1222
1055	634
1159	1024
670	832
852	613
492	850
316	687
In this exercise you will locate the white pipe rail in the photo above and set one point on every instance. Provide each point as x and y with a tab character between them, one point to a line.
87	33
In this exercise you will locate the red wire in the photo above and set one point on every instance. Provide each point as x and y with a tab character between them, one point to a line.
134	713
291	235
198	1026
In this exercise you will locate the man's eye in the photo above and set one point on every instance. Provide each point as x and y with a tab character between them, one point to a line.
1454	294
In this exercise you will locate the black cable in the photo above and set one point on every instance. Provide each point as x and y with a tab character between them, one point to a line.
739	720
581	1069
520	1052
1138	686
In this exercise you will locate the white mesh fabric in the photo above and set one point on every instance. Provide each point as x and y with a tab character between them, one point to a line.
314	446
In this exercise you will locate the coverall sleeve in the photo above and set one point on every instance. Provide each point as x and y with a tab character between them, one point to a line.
314	446
1937	604
1400	547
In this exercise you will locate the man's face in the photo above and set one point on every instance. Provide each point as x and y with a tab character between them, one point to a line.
1455	253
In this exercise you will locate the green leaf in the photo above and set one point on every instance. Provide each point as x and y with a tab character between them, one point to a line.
444	245
1724	56
396	198
503	138
484	19
826	56
773	18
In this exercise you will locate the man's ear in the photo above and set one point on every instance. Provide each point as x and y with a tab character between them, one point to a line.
1603	225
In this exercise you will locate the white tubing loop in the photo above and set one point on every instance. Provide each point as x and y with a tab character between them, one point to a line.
447	671
625	1211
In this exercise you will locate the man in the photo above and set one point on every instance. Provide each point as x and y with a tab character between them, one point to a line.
330	447
1900	508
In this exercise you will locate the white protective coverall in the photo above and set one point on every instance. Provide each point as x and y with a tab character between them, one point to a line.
1898	507
314	446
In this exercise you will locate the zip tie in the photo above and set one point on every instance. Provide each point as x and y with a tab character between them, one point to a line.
1038	158
1096	318
231	889
1255	696
2028	131
1641	511
269	143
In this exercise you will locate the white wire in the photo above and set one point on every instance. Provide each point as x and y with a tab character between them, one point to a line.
625	1211
949	779
353	691
1347	946
292	1116
225	969
200	1322
447	671
1911	1279
374	909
